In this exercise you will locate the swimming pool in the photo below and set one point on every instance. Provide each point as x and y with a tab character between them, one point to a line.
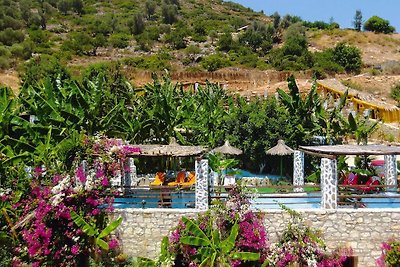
144	198
244	173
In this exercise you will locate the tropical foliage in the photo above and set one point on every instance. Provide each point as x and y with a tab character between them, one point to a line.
231	234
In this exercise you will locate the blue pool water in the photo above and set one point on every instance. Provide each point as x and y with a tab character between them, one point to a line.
145	199
245	173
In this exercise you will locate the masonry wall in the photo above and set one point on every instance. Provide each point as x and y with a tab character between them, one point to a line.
142	230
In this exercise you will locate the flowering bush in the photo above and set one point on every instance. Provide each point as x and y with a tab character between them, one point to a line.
230	233
302	245
390	254
64	221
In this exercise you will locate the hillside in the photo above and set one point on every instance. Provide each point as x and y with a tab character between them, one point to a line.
195	40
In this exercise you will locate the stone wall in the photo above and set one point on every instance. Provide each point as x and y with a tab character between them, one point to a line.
364	229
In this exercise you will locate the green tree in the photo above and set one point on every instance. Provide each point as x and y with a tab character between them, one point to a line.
136	25
63	6
77	6
357	20
169	13
395	92
215	62
377	24
150	8
225	42
348	56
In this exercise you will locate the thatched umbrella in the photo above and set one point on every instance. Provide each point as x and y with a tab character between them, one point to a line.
227	149
173	149
280	150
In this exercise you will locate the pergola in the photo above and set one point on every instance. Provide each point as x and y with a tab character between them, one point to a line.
329	179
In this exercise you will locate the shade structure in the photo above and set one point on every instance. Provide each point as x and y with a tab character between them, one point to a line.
227	149
173	149
280	150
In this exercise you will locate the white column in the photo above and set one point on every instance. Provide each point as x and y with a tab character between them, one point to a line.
390	173
298	171
201	167
130	177
329	182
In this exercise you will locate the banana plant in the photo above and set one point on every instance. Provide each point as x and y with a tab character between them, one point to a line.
362	128
92	231
211	249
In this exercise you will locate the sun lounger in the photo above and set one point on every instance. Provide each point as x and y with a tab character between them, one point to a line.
180	179
191	180
159	179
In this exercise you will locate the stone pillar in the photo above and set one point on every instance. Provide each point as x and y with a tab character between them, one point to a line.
329	182
201	184
116	181
130	177
390	173
298	171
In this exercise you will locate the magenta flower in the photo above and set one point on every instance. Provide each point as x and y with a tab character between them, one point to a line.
105	182
80	174
75	249
113	243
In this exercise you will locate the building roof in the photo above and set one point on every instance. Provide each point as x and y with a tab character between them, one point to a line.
335	150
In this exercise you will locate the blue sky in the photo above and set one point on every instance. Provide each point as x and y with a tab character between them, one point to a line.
342	11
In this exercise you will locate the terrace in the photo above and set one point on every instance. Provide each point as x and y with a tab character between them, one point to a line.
139	191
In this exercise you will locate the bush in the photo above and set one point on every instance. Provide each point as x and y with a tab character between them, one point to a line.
347	56
395	92
390	254
325	63
231	233
119	40
10	36
215	62
4	63
377	24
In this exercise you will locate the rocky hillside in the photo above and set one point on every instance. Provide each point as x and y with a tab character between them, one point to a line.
195	40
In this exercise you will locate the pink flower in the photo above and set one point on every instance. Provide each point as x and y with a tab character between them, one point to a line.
75	249
104	182
385	246
80	174
113	243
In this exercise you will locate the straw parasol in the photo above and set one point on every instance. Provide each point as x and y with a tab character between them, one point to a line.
227	149
173	149
280	150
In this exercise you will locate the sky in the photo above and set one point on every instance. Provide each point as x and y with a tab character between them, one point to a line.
342	11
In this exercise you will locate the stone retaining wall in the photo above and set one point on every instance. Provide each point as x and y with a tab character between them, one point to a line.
142	230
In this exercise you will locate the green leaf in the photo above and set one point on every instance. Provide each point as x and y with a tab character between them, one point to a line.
102	244
246	256
195	229
195	241
229	243
85	227
111	227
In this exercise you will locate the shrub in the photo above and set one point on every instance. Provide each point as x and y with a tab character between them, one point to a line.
377	24
230	233
119	40
395	92
10	36
390	256
302	245
215	62
4	62
64	221
347	56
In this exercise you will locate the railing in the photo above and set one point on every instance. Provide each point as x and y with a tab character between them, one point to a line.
372	196
262	197
269	197
155	197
